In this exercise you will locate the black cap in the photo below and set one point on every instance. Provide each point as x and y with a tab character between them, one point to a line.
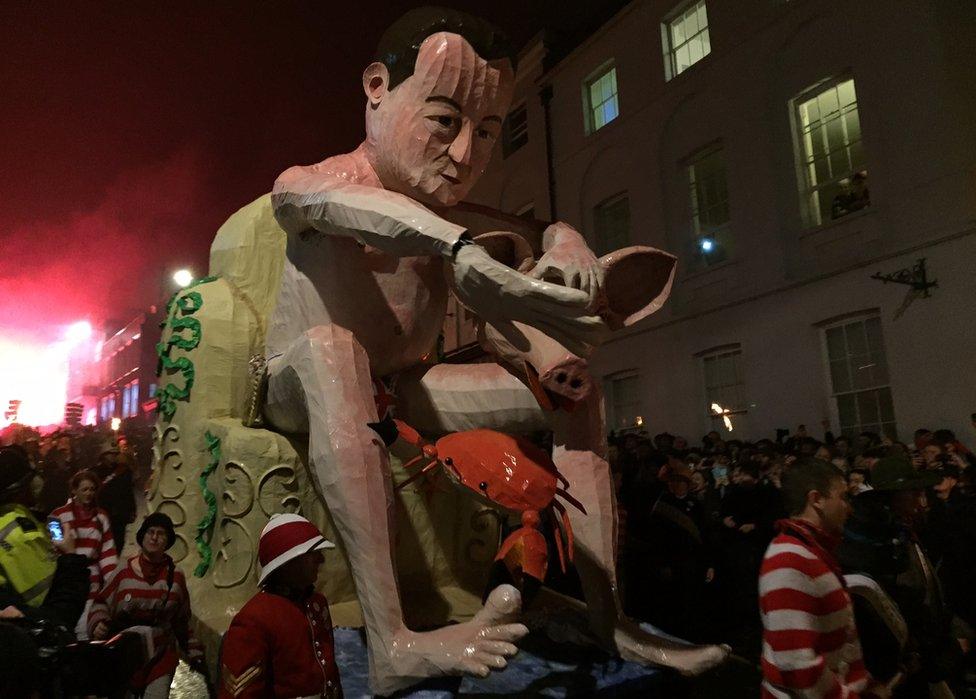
157	519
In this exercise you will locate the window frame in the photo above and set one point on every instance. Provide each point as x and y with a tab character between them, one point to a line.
610	398
588	107
720	234
713	421
851	319
509	135
623	195
670	50
811	215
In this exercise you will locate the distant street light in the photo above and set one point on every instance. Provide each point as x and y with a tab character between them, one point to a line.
116	423
183	277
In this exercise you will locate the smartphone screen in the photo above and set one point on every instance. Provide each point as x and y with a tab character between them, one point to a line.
54	528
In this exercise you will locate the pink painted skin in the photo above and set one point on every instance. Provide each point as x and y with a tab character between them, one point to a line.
363	293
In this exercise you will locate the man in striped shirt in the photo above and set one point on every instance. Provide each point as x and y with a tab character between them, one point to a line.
810	643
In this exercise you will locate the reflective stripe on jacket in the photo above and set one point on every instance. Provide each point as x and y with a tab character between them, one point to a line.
27	559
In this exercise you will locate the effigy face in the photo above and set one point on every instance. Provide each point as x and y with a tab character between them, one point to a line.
431	136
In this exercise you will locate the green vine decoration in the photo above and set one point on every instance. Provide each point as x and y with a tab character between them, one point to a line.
185	334
205	527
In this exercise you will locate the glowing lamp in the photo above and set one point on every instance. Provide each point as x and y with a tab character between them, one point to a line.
706	244
78	332
116	423
639	421
183	277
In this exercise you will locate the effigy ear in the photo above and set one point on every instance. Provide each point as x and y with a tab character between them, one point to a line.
636	284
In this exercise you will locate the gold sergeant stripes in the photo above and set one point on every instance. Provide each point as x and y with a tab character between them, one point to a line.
235	684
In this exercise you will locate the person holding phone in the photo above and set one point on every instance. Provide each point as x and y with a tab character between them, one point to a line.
34	582
93	535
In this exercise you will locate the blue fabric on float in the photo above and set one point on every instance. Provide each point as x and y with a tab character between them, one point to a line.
541	668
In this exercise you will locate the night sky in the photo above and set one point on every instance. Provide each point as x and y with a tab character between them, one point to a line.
129	131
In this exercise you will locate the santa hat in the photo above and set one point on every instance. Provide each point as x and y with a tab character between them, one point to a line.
287	536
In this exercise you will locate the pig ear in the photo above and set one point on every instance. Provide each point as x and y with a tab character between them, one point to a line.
637	282
510	249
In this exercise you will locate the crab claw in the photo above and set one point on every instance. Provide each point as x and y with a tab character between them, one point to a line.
408	434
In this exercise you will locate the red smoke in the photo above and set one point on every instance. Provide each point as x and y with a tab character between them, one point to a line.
109	259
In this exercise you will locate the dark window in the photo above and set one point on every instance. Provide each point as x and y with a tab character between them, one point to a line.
515	131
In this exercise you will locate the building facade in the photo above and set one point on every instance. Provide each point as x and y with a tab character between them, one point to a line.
785	151
126	367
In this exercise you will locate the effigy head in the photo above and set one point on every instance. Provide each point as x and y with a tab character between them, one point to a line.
437	94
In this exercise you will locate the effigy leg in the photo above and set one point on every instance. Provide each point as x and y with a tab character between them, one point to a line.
579	452
455	397
322	385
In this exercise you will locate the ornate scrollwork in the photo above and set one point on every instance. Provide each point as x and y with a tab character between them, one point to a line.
238	495
180	548
481	550
170	481
235	555
174	509
277	494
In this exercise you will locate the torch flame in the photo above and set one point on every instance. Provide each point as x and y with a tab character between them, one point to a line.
724	412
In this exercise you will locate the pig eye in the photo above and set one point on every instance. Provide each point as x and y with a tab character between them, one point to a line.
483	485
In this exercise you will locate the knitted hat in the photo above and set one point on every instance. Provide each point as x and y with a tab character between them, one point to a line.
157	519
285	537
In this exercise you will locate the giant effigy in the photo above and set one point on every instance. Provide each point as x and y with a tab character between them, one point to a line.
301	375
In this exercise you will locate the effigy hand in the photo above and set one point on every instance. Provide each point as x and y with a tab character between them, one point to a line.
496	292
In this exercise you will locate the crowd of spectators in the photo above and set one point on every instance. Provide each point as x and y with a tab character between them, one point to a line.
697	518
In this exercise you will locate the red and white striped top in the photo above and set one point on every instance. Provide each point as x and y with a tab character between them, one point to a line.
134	596
93	539
810	642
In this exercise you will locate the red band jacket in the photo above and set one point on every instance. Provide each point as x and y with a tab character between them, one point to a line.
280	645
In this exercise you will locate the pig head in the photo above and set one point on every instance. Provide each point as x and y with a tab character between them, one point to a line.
637	282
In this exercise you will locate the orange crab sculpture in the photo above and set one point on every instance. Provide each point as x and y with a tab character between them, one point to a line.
510	472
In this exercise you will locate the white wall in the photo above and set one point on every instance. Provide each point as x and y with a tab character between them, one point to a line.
915	97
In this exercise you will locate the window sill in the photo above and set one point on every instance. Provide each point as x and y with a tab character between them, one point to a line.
837	222
699	272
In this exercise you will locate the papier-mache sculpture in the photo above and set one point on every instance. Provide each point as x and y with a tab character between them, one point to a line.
376	241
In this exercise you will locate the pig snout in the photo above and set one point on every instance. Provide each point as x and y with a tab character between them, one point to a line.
569	378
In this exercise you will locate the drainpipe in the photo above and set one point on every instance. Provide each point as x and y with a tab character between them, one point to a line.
545	95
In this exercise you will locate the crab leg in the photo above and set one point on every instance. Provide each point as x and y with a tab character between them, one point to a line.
567	527
571	500
558	536
418	474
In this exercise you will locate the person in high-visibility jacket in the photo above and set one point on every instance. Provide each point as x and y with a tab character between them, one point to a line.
34	580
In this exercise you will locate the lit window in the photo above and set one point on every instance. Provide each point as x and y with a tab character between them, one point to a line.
623	400
134	398
515	131
709	205
611	224
724	386
833	179
125	401
600	96
859	378
685	39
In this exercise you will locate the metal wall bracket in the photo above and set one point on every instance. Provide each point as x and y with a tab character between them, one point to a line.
915	277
